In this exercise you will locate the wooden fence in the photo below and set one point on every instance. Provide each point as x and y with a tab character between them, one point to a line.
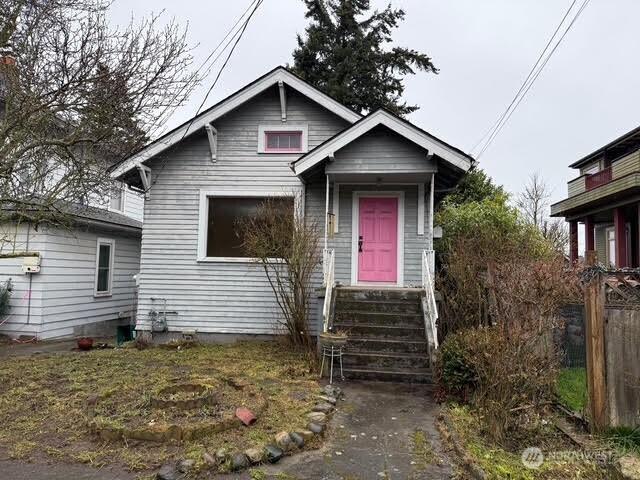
612	337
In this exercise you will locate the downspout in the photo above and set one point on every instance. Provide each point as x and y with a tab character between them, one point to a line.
30	278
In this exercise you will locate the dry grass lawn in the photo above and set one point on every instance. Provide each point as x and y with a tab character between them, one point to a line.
43	399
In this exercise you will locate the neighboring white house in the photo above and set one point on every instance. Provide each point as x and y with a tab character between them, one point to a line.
371	182
77	280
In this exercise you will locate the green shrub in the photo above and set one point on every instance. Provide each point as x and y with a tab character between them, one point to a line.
456	376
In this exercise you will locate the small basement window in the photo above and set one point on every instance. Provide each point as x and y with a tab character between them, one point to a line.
104	267
223	239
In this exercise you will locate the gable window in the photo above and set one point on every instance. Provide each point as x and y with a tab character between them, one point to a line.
105	252
220	238
282	139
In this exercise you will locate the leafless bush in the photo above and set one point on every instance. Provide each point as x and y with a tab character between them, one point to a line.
510	364
288	250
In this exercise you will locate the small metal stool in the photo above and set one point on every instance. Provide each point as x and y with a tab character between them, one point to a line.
332	352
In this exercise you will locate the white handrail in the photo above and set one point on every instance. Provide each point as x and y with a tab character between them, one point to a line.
430	305
328	269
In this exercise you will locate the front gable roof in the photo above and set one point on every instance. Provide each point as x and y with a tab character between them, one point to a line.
278	74
433	145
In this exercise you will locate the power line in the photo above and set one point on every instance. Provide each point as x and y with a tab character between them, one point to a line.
206	60
531	78
526	80
226	61
238	36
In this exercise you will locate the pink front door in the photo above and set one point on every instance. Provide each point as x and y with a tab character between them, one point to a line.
378	240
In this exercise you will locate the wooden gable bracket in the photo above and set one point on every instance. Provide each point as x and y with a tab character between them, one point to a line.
212	134
283	101
145	176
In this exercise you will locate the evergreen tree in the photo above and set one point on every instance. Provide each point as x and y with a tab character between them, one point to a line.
343	54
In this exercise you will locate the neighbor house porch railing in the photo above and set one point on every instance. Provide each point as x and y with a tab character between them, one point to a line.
430	307
600	178
328	272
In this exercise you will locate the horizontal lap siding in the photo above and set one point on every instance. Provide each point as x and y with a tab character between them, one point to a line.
68	280
24	316
217	297
380	150
134	205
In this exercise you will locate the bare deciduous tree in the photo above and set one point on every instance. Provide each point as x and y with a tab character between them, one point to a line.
534	205
288	250
78	96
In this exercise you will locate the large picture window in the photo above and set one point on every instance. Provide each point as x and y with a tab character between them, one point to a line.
105	252
223	239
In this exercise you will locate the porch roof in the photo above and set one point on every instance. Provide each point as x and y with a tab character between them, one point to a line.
434	146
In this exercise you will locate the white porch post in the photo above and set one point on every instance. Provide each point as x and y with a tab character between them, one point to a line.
326	216
430	224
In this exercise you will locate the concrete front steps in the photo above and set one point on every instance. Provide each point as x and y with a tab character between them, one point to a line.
386	334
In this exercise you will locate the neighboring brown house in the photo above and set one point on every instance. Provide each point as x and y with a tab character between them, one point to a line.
605	198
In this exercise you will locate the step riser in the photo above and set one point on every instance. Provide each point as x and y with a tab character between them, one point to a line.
408	307
378	345
391	363
399	333
384	320
378	295
389	377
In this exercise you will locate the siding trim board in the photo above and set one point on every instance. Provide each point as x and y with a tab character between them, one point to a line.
355	227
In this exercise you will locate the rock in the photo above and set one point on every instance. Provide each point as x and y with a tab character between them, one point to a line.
317	417
305	434
185	465
297	439
255	455
315	428
209	460
274	454
629	467
168	472
323	407
332	391
239	461
328	399
221	455
284	441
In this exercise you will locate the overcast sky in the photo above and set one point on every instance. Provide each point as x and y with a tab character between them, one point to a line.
587	95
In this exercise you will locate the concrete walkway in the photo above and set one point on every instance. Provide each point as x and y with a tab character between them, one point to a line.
372	436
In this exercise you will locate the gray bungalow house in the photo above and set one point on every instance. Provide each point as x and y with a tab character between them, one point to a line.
371	181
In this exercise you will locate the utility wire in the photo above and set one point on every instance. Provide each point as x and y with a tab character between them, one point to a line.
226	61
238	36
582	7
206	60
533	75
526	80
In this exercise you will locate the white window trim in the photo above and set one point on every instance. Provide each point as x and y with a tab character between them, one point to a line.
611	256
355	226
276	127
203	215
123	194
112	255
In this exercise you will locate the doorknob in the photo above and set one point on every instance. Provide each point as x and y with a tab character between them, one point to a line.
360	244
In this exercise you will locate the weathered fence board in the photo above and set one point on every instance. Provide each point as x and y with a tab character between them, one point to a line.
622	346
